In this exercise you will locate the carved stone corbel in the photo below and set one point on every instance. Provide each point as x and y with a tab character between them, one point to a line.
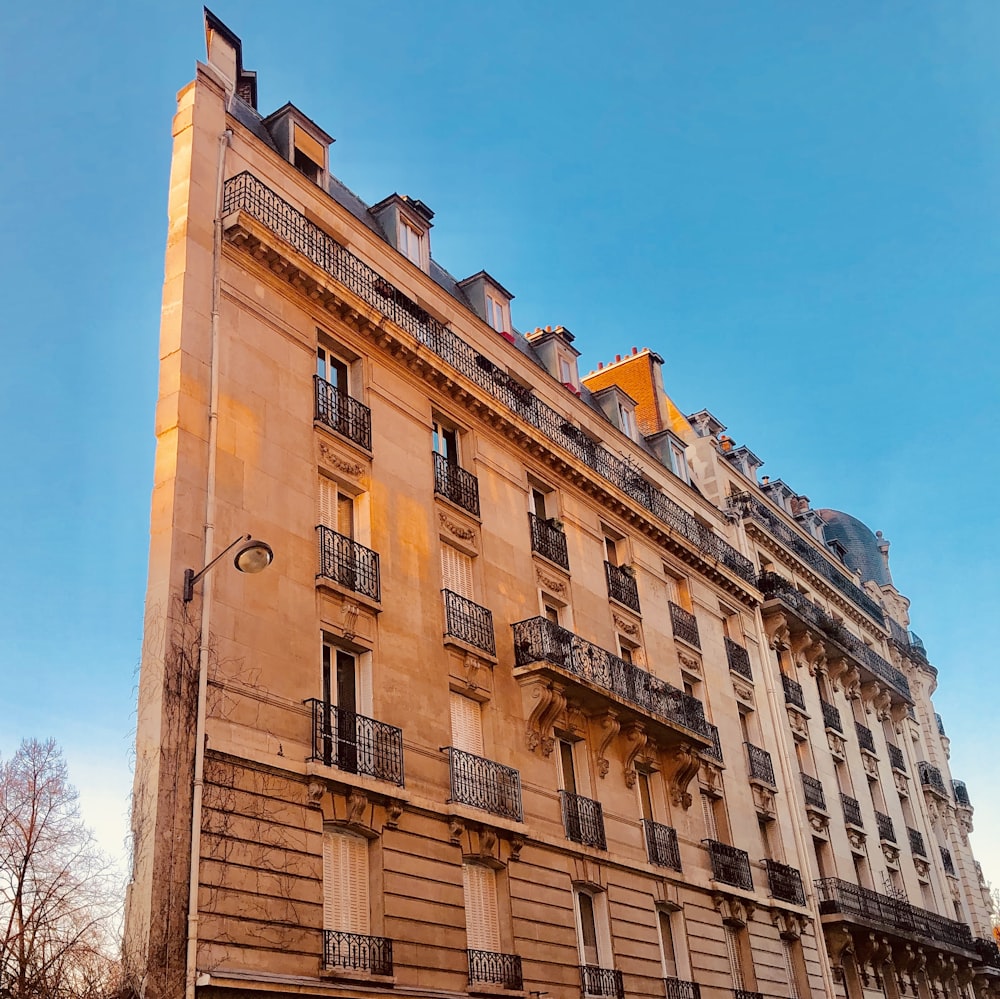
550	702
357	803
851	682
516	846
487	843
778	635
611	726
635	742
838	943
315	790
456	829
394	812
349	626
683	762
710	777
735	911
835	669
807	650
790	925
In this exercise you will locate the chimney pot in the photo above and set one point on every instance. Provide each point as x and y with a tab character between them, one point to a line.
635	350
618	357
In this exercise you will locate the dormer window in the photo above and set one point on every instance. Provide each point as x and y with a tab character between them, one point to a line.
406	223
496	314
409	241
489	300
626	419
567	371
301	141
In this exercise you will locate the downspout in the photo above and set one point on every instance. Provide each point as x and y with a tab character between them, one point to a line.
206	600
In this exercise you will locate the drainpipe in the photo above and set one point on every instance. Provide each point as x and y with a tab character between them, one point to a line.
206	600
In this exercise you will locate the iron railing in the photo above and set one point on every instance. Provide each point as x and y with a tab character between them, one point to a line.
831	717
907	642
940	724
989	952
739	658
338	411
468	622
661	845
793	692
784	882
541	640
685	625
747	994
730	865
896	760
346	562
916	838
813	791
622	585
678	988
714	751
583	820
759	764
865	738
852	810
456	484
548	540
602	981
947	862
961	793
886	830
484	784
836	896
352	742
930	777
357	951
490	967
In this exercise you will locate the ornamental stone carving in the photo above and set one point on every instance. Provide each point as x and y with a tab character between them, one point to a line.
454	528
549	582
331	458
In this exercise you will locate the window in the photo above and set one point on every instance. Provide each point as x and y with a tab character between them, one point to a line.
466	724
567	766
677	589
626	419
345	882
667	953
593	935
333	370
410	242
482	920
678	461
495	313
789	949
739	962
537	498
456	572
550	610
645	795
612	547
445	440
336	508
708	813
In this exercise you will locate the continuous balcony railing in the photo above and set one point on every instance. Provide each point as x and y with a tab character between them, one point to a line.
346	562
812	789
865	738
836	896
456	484
622	585
661	845
759	764
989	952
491	968
746	505
961	793
602	981
583	820
484	784
548	540
685	625
793	692
896	760
784	882
352	742
907	642
940	724
886	830
338	411
540	640
930	777
357	952
747	994
714	751
730	865
947	862
831	717
738	658
678	988
852	811
916	838
467	621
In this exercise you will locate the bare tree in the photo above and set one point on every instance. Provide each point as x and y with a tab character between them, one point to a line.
59	896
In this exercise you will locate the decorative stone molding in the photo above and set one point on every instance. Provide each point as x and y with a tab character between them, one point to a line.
838	943
456	829
819	820
357	804
315	790
611	726
790	925
778	634
550	703
870	764
735	911
689	661
456	529
625	626
923	869
743	692
328	456
393	812
890	852
682	763
763	800
635	743
349	625
477	674
798	722
710	777
836	744
902	783
835	670
487	843
856	837
549	582
808	651
516	846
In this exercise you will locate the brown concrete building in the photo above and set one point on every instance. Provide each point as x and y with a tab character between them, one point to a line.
543	693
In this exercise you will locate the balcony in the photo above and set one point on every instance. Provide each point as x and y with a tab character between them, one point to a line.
947	862
831	717
989	952
541	643
548	540
852	811
468	622
339	412
916	838
747	994
678	988
685	625
357	952
356	744
940	725
793	692
886	831
961	794
896	760
622	586
865	738
812	789
484	784
601	981
583	820
487	967
661	845
456	484
930	778
759	765
347	563
713	751
729	865
890	914
784	882
739	658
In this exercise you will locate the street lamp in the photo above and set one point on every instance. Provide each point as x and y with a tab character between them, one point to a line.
251	557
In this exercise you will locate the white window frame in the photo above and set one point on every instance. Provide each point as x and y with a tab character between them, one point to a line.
410	242
496	313
602	929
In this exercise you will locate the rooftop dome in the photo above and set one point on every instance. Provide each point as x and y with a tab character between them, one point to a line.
864	549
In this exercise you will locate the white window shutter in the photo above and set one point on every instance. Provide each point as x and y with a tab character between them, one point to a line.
733	951
327	503
793	985
346	904
482	920
466	724
709	813
456	571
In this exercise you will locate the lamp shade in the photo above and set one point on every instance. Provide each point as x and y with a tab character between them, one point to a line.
254	556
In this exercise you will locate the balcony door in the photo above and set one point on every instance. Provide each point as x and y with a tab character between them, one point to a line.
482	919
346	907
341	681
466	725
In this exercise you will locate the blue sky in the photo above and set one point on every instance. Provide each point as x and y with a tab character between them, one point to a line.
796	204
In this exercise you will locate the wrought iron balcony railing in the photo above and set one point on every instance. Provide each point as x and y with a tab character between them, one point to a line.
961	793
886	830
714	751
940	724
540	640
678	988
622	585
896	760
930	777
352	742
759	764
852	811
346	562
813	791
661	845
685	625
468	622
357	952
831	717
548	540
456	484
484	784
491	968
730	865
583	820
747	994
916	842
793	692
947	862
989	952
739	658
338	411
836	896
784	882
865	738
602	981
